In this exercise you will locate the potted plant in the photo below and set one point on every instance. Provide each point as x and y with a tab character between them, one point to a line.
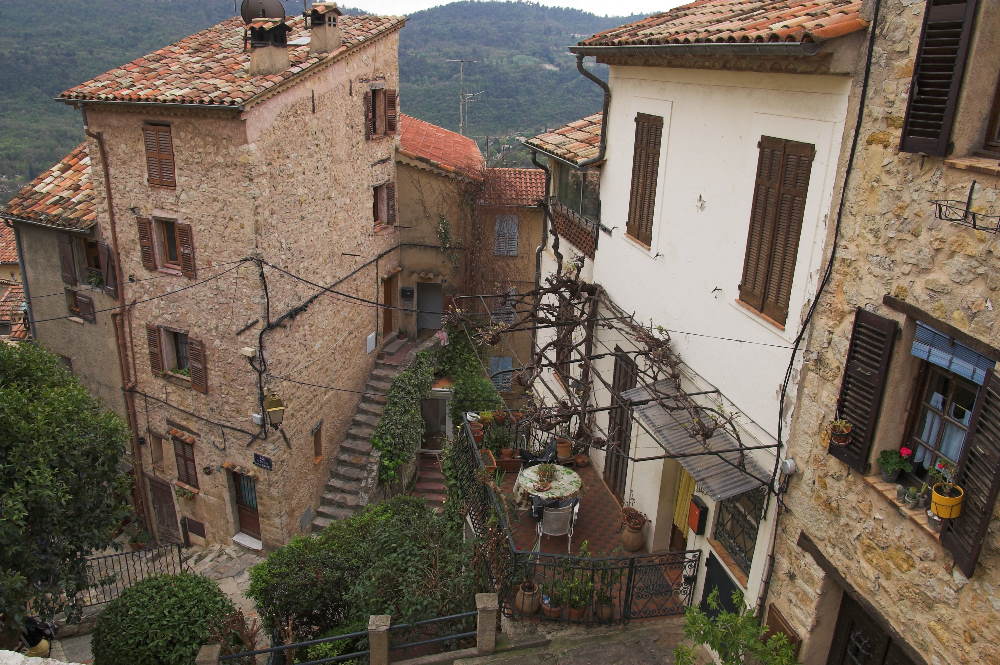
485	417
578	592
499	417
946	500
552	602
900	493
528	598
139	540
478	431
183	493
840	432
564	448
891	462
634	520
912	497
934	522
489	462
501	439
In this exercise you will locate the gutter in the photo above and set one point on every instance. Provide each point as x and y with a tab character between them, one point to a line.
603	146
22	220
703	48
121	102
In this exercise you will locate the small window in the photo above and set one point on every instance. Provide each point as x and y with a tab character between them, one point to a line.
945	409
317	438
184	456
156	451
506	235
92	258
501	372
381	112
384	204
175	352
166	244
159	146
736	523
169	255
80	305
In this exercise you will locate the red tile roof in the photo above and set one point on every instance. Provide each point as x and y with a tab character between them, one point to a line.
210	67
523	188
575	142
740	21
439	147
8	248
11	301
62	196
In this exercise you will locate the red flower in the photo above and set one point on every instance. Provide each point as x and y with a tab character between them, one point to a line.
905	452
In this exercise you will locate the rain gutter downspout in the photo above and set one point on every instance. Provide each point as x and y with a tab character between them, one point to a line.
541	245
603	145
120	320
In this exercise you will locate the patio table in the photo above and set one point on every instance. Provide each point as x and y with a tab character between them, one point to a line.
566	484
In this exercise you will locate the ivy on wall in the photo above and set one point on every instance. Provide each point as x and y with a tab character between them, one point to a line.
400	430
462	361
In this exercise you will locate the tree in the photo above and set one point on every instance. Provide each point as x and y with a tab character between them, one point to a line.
737	637
62	490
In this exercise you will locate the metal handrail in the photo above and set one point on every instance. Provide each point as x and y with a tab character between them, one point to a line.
424	622
434	640
296	645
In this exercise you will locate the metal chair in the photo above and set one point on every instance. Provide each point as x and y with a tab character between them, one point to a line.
558	522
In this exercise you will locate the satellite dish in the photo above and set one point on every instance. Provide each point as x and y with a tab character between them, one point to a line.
251	10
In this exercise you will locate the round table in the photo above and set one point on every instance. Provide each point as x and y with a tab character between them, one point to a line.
566	484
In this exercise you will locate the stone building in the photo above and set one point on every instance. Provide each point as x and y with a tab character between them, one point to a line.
903	344
214	248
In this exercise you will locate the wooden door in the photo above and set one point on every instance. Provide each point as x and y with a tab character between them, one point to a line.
164	512
246	504
620	426
389	300
430	303
859	640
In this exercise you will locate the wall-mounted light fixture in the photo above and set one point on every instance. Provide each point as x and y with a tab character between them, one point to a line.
275	409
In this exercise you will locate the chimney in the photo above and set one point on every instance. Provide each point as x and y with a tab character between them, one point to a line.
326	35
268	46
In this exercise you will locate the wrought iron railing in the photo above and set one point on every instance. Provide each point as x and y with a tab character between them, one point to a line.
591	589
737	521
109	575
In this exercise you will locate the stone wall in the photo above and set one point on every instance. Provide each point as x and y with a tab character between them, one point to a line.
892	244
289	181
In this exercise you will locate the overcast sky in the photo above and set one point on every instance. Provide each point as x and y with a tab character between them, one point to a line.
600	7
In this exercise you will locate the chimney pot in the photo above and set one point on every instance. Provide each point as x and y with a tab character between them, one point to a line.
323	21
268	46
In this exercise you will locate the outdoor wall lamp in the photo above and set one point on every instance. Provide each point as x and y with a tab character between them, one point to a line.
275	409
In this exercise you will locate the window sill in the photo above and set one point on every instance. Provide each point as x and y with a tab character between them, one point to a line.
729	562
759	316
75	319
916	515
170	270
637	243
987	165
185	486
381	229
179	379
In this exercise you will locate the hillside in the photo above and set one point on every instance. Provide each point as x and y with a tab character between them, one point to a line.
528	77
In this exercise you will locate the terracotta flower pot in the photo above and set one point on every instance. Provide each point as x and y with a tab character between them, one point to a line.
605	611
632	539
478	436
516	416
576	613
489	462
582	460
564	448
551	612
526	602
499	416
506	453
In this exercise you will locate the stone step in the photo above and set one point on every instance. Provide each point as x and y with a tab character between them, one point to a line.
429	475
320	523
341	499
371	407
356	446
330	513
427	486
360	431
387	373
348	473
347	459
364	419
393	346
377	387
339	484
436	499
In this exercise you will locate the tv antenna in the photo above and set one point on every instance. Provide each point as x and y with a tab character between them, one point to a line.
464	98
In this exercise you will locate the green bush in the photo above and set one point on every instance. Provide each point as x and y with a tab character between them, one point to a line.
473	391
162	620
397	558
400	430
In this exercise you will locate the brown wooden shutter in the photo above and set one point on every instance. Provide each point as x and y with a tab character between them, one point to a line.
155	354
185	249
67	261
937	76
978	473
158	142
864	382
795	170
146	249
390	203
760	237
645	166
106	260
197	365
391	111
369	115
85	308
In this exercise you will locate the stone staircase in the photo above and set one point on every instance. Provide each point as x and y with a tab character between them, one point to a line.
350	467
430	485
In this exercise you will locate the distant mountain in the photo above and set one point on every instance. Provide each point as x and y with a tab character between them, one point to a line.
527	77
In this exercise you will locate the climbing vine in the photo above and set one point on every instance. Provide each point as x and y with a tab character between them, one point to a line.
400	430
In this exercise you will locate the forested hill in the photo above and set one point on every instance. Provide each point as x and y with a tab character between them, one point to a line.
527	75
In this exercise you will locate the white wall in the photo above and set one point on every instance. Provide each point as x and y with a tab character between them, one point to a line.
688	279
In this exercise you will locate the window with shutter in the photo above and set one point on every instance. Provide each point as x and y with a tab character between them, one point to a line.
187	472
390	203
158	143
645	166
369	114
937	76
184	239
198	365
106	262
506	228
155	352
67	260
85	308
147	251
391	111
864	380
978	474
776	213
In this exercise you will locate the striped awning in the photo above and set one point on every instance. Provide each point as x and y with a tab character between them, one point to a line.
720	475
939	349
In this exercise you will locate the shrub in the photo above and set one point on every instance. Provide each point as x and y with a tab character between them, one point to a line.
162	620
473	391
400	430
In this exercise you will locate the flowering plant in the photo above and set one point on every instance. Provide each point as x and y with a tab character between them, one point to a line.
895	460
905	452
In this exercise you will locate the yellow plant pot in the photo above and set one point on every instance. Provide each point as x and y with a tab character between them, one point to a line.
946	507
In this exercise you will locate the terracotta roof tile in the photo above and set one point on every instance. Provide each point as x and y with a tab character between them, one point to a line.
62	196
11	301
439	147
575	142
513	187
739	21
8	248
210	67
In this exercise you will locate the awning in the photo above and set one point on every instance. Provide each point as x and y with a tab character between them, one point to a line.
941	350
715	477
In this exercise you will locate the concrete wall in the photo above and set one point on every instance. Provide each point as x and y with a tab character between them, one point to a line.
892	244
291	182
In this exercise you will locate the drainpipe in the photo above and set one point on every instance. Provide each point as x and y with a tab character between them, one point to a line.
123	336
542	244
18	245
603	145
